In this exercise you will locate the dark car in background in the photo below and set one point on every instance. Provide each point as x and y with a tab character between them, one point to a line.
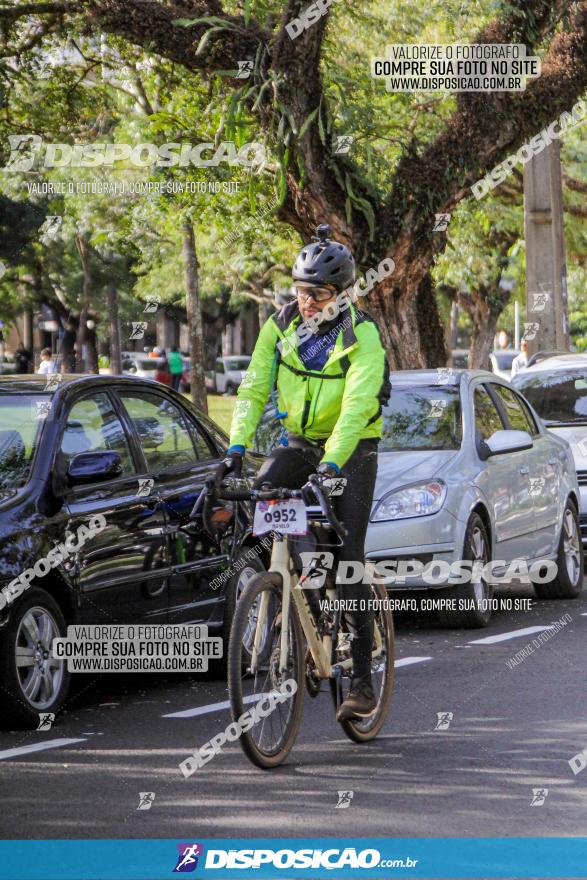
135	456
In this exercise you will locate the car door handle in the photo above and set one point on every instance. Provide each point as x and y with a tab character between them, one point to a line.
524	470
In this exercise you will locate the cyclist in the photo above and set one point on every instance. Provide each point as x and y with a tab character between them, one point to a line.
321	360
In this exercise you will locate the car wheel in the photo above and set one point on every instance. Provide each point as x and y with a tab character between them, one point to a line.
230	388
568	582
247	565
33	681
472	601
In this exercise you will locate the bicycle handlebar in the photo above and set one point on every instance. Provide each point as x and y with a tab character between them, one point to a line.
226	494
268	493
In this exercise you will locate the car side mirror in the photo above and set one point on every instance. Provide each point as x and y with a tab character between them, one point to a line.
93	467
501	442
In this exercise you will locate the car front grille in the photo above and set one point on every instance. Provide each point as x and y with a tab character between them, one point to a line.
582	477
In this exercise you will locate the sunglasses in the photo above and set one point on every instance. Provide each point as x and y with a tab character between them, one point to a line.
318	294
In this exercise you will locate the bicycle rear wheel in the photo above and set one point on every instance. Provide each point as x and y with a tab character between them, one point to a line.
272	699
382	671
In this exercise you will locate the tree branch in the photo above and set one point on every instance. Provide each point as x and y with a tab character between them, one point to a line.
574	184
576	211
299	89
151	25
13	13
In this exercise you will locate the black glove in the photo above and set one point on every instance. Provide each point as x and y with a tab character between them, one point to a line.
232	464
329	479
327	470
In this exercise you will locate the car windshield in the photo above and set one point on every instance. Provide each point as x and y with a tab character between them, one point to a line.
21	417
557	397
149	365
422	417
504	359
238	363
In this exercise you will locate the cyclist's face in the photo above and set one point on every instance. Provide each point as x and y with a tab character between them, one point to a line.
312	300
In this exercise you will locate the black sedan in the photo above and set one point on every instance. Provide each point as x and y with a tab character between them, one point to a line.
129	458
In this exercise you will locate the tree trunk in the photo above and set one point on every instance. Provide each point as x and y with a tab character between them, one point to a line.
453	328
484	312
266	309
115	352
482	340
212	341
406	312
92	350
194	314
82	334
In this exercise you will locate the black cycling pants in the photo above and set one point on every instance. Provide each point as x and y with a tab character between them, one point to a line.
290	466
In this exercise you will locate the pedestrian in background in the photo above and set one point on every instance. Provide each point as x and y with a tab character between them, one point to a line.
23	359
162	373
47	364
176	367
521	361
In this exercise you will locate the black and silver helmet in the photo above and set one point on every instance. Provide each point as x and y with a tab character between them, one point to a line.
325	261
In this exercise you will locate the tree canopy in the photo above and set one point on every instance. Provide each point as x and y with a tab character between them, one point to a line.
135	71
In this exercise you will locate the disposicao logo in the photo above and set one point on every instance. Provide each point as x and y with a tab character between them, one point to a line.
187	860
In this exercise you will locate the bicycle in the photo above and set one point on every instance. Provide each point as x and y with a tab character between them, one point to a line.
283	634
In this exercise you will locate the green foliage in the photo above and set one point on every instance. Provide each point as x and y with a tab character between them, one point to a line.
82	89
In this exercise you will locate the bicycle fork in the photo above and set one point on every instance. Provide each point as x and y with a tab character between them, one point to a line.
280	562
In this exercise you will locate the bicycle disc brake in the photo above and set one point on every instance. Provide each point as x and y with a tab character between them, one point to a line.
313	680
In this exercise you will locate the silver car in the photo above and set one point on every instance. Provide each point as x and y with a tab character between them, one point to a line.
557	389
141	366
229	373
468	472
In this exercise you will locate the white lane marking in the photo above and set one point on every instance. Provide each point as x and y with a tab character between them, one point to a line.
213	707
409	661
584	614
218	707
515	634
38	747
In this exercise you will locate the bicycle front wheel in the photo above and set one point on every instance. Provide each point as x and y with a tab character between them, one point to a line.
270	696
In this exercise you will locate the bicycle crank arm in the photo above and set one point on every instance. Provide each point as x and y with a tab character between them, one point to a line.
337	675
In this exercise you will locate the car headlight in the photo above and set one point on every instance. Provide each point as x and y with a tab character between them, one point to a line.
419	499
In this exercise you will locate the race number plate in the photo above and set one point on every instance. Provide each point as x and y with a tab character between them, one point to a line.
287	517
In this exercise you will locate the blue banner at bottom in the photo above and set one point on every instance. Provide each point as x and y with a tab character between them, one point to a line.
267	859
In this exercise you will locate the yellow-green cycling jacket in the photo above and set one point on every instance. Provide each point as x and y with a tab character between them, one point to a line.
341	404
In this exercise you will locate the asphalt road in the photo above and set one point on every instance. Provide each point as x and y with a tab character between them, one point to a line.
513	730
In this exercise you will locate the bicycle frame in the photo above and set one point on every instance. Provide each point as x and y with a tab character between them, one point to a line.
320	648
